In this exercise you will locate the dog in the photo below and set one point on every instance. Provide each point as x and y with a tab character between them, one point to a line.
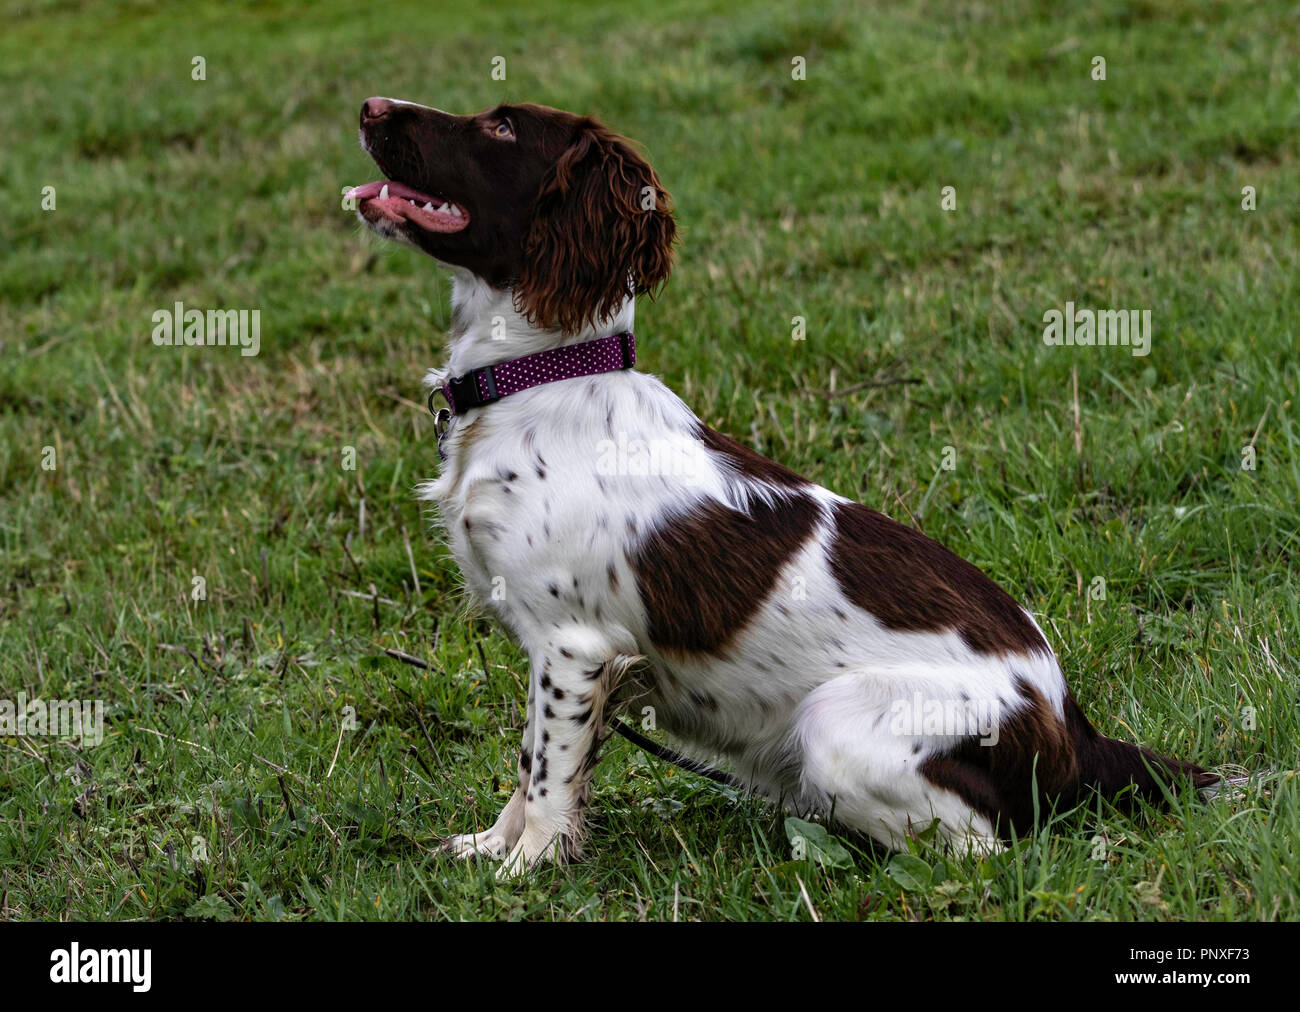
836	660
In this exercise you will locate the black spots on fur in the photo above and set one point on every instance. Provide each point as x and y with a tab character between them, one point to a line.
630	521
593	674
542	792
548	712
839	614
583	717
526	761
468	526
546	737
554	590
564	652
541	472
557	694
612	572
916	748
546	680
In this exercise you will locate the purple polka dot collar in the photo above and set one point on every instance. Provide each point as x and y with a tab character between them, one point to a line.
492	382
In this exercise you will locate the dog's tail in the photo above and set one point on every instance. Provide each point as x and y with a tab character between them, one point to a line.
1123	771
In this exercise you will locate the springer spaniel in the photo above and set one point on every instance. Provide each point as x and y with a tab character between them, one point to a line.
835	659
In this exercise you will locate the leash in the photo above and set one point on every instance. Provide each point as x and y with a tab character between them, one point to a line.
635	737
675	758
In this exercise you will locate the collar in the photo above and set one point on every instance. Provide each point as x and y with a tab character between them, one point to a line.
492	382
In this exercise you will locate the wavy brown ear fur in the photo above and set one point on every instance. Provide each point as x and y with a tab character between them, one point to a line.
602	230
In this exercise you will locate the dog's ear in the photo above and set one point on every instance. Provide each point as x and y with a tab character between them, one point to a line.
602	230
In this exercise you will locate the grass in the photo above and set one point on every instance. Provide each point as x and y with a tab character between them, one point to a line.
226	786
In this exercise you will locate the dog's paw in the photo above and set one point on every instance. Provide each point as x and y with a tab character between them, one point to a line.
485	844
530	852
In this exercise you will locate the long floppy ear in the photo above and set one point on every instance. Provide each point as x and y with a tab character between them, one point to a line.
602	230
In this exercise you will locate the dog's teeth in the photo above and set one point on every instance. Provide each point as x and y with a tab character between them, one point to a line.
427	207
455	210
383	194
442	209
410	201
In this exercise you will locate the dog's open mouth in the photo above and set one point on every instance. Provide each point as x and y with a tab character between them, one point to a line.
398	202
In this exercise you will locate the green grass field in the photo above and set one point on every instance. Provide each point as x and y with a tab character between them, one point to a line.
227	785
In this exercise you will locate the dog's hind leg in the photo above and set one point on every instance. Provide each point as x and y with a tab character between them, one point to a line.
863	762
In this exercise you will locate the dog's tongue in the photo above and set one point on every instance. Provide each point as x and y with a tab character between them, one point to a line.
397	201
372	190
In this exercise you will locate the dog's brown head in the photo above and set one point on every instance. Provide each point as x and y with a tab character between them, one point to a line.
550	204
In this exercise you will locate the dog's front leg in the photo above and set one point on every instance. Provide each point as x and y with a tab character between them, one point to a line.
573	673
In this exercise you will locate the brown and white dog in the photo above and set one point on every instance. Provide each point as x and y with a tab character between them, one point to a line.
834	658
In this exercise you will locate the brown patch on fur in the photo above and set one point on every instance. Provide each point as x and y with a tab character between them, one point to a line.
747	461
912	583
591	243
704	575
1036	748
997	780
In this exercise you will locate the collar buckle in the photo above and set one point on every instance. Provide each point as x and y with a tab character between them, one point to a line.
463	392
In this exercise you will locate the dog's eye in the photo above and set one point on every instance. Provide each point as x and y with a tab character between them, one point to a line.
504	130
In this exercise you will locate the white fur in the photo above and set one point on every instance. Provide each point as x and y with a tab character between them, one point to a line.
813	727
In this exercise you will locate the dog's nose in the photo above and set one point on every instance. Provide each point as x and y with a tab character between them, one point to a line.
373	109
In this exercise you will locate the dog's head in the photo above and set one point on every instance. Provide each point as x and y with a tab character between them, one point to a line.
550	204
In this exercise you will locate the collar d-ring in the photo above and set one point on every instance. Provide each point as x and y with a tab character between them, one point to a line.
441	416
